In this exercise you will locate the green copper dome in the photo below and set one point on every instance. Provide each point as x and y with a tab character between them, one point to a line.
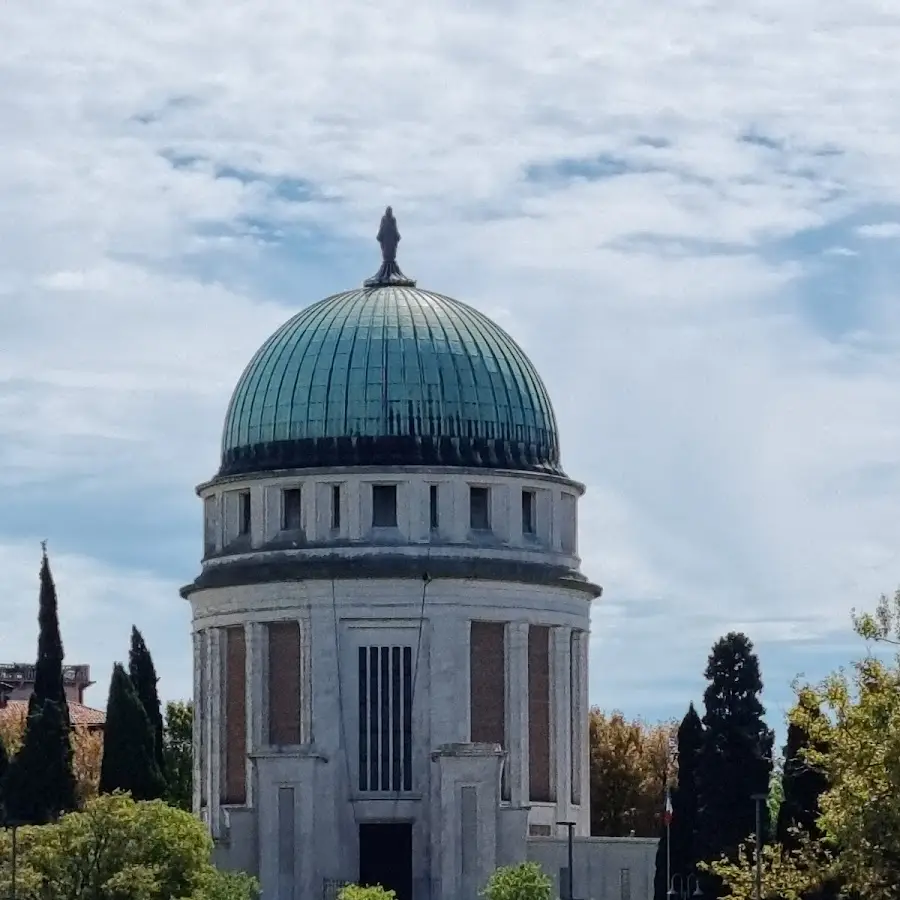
389	375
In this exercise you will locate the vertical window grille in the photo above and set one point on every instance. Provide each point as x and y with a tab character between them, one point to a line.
385	719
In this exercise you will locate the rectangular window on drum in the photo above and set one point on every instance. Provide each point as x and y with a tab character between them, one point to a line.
479	508
244	512
384	757
284	683
235	786
528	513
384	505
434	518
539	713
291	509
335	507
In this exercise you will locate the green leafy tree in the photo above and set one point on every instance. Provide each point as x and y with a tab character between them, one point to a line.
39	783
118	849
786	874
856	742
526	881
143	676
129	758
178	744
682	857
736	757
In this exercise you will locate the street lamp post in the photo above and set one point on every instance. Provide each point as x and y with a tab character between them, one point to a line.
680	888
759	799
570	892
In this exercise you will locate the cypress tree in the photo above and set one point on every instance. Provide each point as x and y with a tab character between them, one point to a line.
683	859
48	674
803	785
129	758
143	676
735	761
39	784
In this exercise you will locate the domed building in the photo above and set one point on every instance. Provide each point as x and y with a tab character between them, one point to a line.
390	625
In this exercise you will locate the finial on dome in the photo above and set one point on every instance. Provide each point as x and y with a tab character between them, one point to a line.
389	238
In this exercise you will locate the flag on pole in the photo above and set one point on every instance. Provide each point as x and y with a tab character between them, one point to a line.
667	816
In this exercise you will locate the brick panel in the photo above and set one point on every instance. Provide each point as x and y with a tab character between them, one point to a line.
235	789
539	713
284	683
487	683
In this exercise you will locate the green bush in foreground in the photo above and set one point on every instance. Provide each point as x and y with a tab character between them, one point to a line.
367	892
119	849
525	881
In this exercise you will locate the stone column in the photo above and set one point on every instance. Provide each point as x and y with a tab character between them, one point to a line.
581	652
517	712
561	705
254	636
198	639
214	723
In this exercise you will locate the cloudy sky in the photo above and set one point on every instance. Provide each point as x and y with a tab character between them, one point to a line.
687	213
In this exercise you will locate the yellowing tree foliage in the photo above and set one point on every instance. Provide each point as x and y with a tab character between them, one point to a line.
87	747
629	761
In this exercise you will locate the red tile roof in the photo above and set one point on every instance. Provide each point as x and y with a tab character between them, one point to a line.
80	715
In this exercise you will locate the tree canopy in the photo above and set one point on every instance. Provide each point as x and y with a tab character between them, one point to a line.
735	761
628	763
129	758
119	848
178	739
143	676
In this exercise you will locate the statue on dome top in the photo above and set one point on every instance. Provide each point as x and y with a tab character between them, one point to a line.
388	236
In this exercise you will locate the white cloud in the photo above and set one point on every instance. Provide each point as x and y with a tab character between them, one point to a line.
879	230
740	462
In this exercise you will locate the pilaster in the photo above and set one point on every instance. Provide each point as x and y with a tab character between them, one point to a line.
215	700
561	706
197	640
517	712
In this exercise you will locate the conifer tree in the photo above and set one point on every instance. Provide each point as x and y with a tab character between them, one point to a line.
129	758
143	676
803	785
681	858
735	761
39	784
48	675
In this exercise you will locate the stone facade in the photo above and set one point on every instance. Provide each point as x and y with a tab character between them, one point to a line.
330	706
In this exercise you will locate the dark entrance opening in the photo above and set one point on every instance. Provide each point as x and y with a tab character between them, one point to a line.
385	856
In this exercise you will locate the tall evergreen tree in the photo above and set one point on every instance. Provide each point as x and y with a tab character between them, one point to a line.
129	757
803	785
681	857
143	676
39	784
48	674
736	757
